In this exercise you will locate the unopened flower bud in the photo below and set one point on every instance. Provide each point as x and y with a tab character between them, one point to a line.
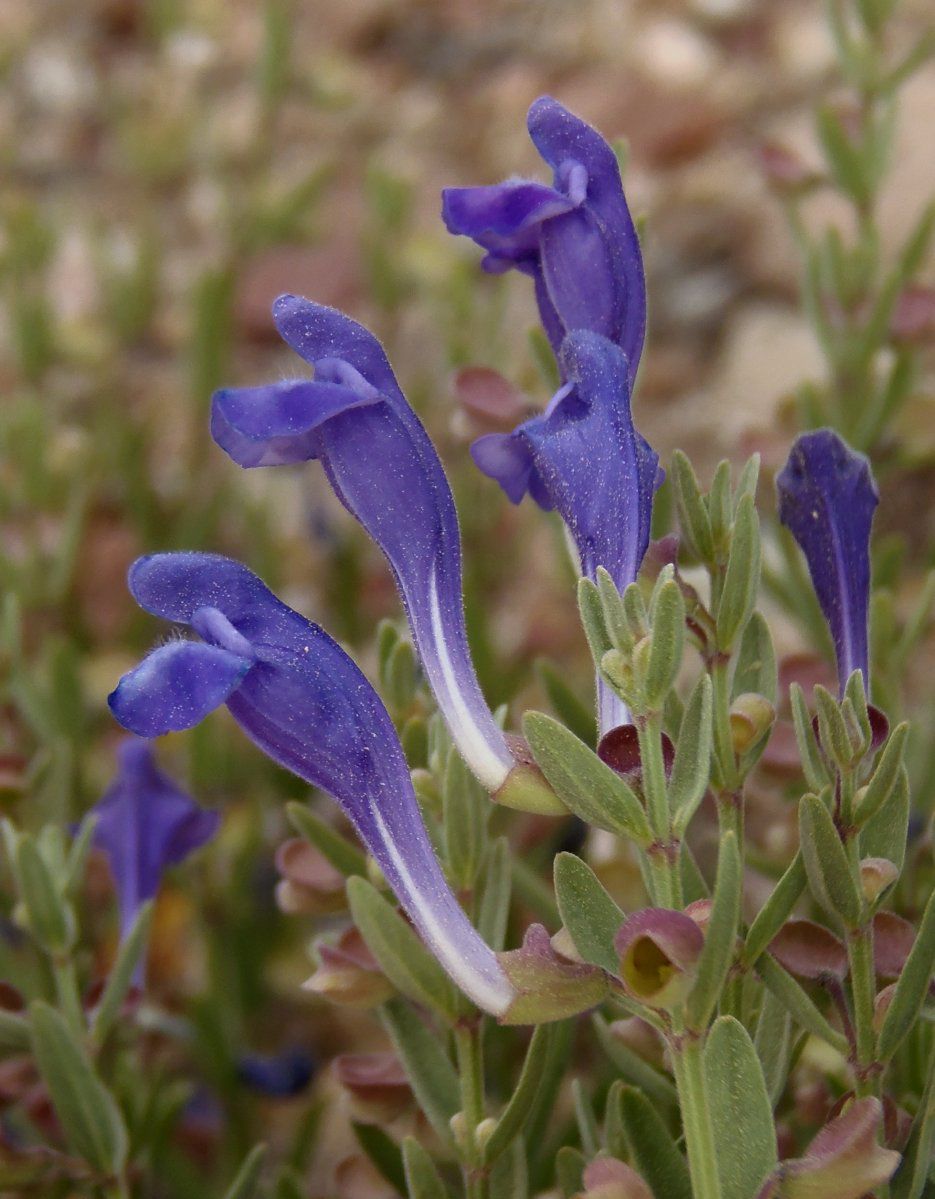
525	788
348	973
876	876
376	1084
751	717
659	950
618	671
484	1131
310	884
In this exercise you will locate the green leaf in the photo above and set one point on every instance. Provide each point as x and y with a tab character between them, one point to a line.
465	808
517	1112
248	1176
14	1032
434	1081
693	513
813	764
720	937
494	910
422	1179
756	661
121	975
740	1110
913	1173
885	775
572	711
403	958
797	1003
588	1132
885	834
829	872
911	986
832	730
383	1152
668	639
587	786
634	1069
51	919
846	159
590	915
508	1178
614	612
692	766
88	1113
592	618
635	1131
742	578
340	852
569	1171
773	1043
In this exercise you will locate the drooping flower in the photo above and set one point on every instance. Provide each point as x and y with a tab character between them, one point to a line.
584	457
383	467
827	498
576	239
297	694
144	824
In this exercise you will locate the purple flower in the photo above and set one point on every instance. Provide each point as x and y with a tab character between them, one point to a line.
384	469
827	498
277	1075
144	824
304	702
576	239
584	457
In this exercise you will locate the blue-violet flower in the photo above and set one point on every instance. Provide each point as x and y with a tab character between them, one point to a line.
827	498
144	824
576	239
584	457
298	695
383	467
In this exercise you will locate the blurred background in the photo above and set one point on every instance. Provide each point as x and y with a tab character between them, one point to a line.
169	168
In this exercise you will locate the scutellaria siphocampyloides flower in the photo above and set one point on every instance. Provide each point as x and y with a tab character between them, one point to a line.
827	497
575	238
144	824
302	700
584	457
379	459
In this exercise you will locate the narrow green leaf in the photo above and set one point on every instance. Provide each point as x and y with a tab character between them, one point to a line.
14	1032
740	1109
509	1176
635	1131
403	958
721	935
248	1176
88	1113
590	915
911	986
121	975
756	661
434	1081
720	508
422	1179
50	917
383	1152
776	911
587	786
340	853
826	864
692	766
465	807
592	618
569	1171
918	1155
516	1113
665	655
494	910
832	730
633	1069
885	834
742	578
78	855
885	773
693	513
588	1132
749	478
773	1043
614	612
813	765
797	1003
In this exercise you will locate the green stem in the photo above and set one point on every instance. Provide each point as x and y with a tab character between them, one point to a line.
471	1078
68	994
860	954
664	864
688	1065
